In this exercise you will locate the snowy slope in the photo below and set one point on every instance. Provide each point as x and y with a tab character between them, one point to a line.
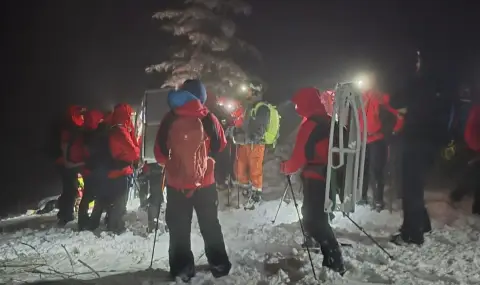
258	250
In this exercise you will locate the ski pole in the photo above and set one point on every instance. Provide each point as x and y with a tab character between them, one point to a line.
230	174
369	236
280	205
158	217
301	226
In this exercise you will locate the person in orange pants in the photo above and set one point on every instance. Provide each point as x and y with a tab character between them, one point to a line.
249	139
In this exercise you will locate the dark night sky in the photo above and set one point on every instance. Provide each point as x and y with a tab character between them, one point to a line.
59	52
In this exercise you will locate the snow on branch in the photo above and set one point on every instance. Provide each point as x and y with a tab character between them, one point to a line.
210	44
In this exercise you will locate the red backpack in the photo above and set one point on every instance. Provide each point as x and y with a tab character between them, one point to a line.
188	157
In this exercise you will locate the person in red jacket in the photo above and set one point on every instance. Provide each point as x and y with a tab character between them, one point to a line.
72	160
182	197
471	177
382	122
311	153
124	152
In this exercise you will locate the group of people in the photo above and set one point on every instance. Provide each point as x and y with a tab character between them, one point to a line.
103	148
190	138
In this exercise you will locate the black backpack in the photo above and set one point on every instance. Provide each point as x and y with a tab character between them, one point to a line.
97	144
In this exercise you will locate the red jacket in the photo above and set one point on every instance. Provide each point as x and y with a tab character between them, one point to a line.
309	104
70	139
215	143
374	101
472	128
92	119
123	144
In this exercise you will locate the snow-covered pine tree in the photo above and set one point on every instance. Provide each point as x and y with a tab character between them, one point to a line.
206	45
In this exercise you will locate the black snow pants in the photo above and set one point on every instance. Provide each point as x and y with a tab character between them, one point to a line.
317	225
179	218
224	162
470	183
66	202
155	200
418	158
90	186
113	200
374	175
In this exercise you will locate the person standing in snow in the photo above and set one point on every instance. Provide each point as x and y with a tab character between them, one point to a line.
187	138
150	180
125	151
72	158
471	176
92	171
425	132
382	122
311	153
260	127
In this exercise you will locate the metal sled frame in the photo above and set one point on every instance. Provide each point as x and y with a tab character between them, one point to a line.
348	106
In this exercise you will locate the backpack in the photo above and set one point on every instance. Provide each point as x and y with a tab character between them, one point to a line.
75	135
97	145
273	129
188	158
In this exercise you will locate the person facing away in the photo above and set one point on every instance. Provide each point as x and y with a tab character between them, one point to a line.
425	132
382	122
311	153
72	160
93	128
187	138
249	139
124	152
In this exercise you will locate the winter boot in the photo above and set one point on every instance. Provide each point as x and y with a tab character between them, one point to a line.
333	259
245	189
403	239
254	199
220	270
310	243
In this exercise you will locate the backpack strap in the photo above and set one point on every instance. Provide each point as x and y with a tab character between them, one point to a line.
163	130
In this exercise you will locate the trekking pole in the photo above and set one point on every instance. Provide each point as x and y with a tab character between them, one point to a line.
280	205
369	236
301	226
238	186
229	190
158	217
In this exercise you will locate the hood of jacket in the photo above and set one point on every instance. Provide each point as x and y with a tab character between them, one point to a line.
75	115
92	119
184	103
308	102
122	115
196	88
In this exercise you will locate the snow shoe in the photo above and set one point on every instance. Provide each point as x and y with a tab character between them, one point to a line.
399	240
254	199
220	270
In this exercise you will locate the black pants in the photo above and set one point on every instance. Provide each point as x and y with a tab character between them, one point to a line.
179	218
94	184
224	162
470	183
155	200
316	222
143	190
111	199
418	158
66	202
375	163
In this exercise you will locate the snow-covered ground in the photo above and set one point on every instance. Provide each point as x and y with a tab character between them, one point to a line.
261	252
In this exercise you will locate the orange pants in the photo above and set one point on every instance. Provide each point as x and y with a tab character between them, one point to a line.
249	164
